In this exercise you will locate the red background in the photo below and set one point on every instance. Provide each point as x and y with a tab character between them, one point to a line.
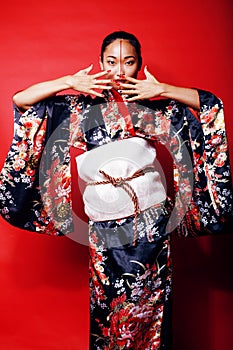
44	280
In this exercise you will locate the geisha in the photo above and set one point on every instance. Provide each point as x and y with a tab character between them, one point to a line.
117	121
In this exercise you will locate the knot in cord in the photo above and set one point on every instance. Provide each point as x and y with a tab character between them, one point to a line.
115	181
121	182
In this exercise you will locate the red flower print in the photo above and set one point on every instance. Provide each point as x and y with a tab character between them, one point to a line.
18	164
150	129
23	155
28	124
30	172
197	158
73	118
165	124
220	159
208	118
105	332
94	237
222	148
22	146
158	113
215	140
148	118
118	301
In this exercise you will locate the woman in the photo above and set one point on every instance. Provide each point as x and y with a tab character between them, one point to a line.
130	216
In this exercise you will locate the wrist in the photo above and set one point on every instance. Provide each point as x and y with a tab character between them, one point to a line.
67	82
165	89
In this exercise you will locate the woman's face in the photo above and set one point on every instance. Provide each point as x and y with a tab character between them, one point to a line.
121	58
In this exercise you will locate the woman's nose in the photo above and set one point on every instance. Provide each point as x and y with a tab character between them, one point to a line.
120	71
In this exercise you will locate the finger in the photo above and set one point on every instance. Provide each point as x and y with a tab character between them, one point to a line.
102	81
106	87
149	75
93	92
127	86
129	92
146	72
85	70
134	98
88	69
133	80
100	74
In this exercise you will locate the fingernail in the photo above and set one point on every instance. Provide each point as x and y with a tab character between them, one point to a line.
109	70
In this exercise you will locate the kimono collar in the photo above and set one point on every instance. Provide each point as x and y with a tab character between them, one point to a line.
117	103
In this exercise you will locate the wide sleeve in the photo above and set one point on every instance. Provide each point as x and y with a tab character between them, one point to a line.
210	210
197	144
35	181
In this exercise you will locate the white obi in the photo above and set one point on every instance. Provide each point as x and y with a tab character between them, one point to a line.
120	159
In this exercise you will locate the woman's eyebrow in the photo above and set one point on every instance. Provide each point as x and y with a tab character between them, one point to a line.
126	57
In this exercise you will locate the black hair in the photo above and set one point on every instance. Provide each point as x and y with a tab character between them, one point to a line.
126	36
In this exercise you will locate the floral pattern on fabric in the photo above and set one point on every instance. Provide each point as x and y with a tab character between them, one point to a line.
130	285
198	145
35	182
94	122
212	203
129	312
21	167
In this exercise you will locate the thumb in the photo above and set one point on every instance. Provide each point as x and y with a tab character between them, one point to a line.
149	76
88	69
85	70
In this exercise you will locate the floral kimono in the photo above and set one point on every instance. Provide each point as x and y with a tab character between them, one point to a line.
130	266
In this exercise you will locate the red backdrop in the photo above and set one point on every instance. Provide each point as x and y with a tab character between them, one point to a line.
44	280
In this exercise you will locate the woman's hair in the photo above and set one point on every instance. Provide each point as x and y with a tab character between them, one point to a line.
126	36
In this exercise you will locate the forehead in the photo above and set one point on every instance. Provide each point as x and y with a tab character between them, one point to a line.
120	47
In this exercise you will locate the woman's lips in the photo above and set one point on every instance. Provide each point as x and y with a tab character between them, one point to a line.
119	81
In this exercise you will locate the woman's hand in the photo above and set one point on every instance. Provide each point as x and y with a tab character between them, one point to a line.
151	87
82	81
142	89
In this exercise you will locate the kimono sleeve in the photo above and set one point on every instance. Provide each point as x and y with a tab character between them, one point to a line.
35	179
210	210
197	144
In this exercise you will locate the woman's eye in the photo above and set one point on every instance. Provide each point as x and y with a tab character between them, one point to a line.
111	63
129	63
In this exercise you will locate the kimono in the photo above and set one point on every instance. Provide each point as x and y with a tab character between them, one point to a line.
130	265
